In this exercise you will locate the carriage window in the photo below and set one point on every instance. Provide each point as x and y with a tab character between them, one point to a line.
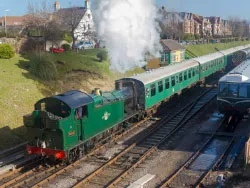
185	75
197	70
193	73
167	83
172	81
160	86
189	74
233	90
180	77
153	90
223	90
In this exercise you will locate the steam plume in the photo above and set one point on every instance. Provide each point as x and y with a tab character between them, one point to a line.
129	31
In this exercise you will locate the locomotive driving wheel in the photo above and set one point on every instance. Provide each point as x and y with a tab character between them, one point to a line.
73	155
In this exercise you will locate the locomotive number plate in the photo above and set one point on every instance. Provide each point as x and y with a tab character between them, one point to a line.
71	133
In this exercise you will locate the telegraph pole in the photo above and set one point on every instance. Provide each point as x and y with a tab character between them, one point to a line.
5	21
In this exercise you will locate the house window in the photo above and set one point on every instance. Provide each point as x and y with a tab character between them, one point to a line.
162	57
88	26
89	15
167	83
160	86
153	90
166	57
84	26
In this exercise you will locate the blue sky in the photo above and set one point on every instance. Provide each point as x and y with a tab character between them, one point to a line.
223	8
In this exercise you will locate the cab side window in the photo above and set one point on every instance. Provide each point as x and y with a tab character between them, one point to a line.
81	112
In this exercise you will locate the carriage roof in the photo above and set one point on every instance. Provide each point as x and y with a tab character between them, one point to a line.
241	74
163	72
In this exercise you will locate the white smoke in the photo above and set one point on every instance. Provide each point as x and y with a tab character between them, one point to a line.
129	31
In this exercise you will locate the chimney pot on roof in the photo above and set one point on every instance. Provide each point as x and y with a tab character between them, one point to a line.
87	4
57	6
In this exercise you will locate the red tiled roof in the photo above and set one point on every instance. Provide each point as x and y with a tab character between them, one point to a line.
12	20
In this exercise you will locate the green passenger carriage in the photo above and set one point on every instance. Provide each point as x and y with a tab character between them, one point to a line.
160	84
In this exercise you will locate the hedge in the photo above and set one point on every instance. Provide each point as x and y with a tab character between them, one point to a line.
6	51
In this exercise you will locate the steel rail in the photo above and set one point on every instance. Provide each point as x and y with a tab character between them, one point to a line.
15	180
19	170
205	175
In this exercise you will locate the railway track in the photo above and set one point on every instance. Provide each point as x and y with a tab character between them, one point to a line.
110	173
12	155
192	172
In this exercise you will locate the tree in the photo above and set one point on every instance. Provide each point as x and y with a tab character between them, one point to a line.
197	37
40	21
171	25
239	27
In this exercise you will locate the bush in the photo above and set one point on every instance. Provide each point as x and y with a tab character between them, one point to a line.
31	45
2	34
197	37
66	47
6	51
188	37
103	56
67	38
42	67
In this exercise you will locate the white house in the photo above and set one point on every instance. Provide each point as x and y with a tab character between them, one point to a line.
85	29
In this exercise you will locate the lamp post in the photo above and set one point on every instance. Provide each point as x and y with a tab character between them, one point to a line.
5	21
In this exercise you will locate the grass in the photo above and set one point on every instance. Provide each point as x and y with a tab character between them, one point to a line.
203	49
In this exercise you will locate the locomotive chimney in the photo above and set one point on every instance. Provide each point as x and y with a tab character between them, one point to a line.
118	85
